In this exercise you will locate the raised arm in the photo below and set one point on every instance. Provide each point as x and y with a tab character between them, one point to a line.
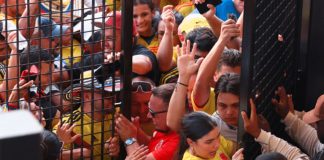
207	69
269	142
305	135
186	67
216	23
11	78
165	50
28	18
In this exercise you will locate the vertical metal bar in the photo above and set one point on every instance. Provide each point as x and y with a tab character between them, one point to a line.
82	70
247	58
127	45
303	23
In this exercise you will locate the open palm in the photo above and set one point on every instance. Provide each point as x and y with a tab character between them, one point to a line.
186	62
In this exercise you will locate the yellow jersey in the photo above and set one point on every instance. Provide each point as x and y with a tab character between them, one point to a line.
92	134
224	152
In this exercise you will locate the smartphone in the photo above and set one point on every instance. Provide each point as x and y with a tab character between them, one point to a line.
202	7
30	74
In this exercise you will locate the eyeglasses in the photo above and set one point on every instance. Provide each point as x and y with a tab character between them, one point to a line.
153	113
141	86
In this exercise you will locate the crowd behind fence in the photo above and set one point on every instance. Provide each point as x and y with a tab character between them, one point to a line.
53	64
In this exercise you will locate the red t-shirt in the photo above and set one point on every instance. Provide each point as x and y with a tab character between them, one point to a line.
164	146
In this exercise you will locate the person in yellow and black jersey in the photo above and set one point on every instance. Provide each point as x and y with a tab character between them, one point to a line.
90	124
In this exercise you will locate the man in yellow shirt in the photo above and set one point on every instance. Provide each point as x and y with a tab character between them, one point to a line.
92	119
227	88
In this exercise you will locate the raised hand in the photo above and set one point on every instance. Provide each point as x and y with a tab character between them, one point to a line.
251	125
125	128
282	106
168	17
23	90
64	133
229	30
186	61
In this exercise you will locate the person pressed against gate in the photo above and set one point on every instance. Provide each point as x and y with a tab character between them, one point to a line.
141	93
227	107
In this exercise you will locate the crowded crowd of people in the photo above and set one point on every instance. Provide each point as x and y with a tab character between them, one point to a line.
65	67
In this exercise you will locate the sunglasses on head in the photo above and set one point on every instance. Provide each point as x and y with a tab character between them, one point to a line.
153	113
141	86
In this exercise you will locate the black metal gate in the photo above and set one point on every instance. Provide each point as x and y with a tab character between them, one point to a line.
270	54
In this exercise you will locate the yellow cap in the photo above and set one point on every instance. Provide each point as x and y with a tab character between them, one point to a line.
193	21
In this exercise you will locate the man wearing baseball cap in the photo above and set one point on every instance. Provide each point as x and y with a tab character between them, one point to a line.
92	118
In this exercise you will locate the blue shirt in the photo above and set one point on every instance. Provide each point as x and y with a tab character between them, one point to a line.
223	9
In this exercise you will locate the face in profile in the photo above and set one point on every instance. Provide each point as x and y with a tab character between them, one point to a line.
158	113
139	106
206	146
228	108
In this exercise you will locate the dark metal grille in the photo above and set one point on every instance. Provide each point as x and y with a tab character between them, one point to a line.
267	62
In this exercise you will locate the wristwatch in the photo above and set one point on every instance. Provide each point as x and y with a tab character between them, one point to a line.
129	141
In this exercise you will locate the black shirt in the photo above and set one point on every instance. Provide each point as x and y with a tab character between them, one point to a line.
154	74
